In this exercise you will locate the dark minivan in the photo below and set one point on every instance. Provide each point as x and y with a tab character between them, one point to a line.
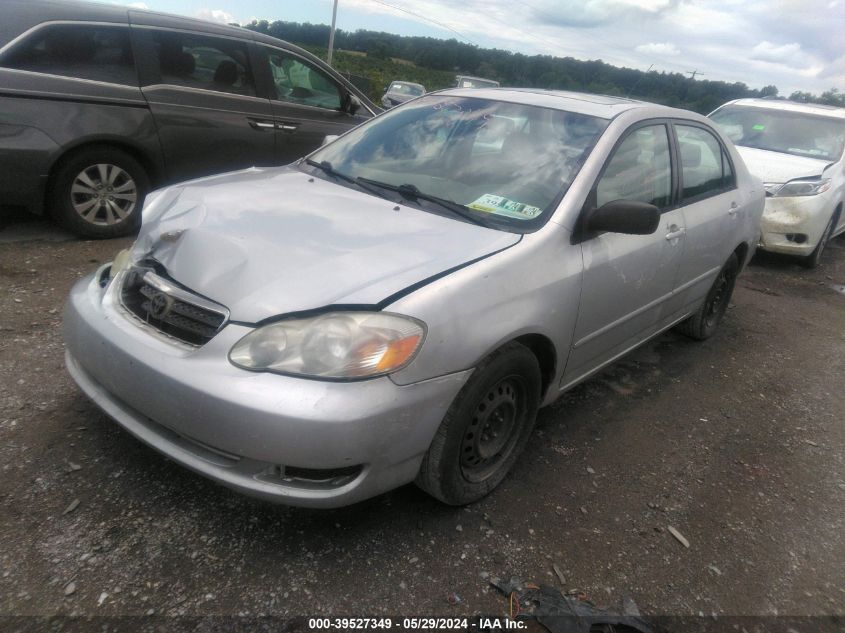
99	104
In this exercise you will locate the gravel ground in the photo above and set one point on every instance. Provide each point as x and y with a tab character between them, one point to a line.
736	443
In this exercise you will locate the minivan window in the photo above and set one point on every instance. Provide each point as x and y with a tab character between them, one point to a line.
98	53
702	162
788	132
640	169
204	62
298	82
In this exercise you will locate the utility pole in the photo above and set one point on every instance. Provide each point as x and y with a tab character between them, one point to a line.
331	34
693	73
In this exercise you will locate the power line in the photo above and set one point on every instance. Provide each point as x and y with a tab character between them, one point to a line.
427	19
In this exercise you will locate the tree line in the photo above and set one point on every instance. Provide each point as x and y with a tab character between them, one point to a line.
383	57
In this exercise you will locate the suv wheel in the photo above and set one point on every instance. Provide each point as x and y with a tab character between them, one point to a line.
98	193
813	259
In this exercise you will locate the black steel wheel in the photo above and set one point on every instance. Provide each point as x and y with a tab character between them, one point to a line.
485	429
704	323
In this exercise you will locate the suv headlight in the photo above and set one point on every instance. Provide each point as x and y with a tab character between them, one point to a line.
803	187
337	345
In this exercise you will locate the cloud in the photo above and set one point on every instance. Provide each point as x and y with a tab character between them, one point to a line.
215	15
789	55
658	48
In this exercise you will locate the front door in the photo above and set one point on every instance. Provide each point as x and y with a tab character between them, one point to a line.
307	105
628	279
201	91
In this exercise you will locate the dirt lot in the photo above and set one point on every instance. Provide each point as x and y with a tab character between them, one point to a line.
738	443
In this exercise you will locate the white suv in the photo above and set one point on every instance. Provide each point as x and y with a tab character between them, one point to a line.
797	149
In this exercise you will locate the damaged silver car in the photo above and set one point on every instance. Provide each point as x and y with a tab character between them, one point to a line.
396	306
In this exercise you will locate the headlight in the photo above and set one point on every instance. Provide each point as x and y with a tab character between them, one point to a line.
339	345
802	187
121	262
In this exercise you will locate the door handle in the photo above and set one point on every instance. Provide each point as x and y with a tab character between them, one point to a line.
286	127
261	125
733	210
675	232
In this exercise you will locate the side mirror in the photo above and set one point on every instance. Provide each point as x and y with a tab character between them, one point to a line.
351	104
329	138
624	216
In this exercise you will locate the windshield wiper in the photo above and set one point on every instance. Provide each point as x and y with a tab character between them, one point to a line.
326	167
411	192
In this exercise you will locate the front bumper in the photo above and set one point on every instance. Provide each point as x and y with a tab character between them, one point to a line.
794	226
243	429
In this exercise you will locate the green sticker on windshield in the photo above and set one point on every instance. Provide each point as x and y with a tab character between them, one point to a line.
759	127
503	206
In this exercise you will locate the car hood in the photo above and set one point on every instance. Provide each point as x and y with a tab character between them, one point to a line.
266	242
777	167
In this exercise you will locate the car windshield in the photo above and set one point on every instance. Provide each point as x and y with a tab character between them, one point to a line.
406	89
783	131
504	164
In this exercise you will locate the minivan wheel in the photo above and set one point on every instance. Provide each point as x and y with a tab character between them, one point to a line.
485	429
98	193
814	259
703	324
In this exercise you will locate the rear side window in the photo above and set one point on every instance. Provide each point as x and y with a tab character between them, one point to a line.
200	61
705	169
640	169
99	53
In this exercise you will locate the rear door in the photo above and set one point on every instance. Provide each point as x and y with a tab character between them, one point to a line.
712	209
202	92
629	279
307	103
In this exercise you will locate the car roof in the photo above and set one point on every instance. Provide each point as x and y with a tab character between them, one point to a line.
791	106
601	106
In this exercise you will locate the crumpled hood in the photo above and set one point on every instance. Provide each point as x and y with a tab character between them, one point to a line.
265	242
776	167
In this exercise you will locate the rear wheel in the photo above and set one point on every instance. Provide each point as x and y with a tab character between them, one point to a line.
703	324
98	192
814	259
485	429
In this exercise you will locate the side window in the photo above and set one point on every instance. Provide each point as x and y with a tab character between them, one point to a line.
200	61
297	82
640	169
702	162
99	53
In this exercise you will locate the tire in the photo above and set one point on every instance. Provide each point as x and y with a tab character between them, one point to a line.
814	259
82	200
704	323
485	429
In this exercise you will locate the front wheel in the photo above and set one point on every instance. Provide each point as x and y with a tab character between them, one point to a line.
485	429
814	259
98	192
703	324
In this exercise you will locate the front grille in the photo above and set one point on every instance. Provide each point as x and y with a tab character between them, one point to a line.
171	309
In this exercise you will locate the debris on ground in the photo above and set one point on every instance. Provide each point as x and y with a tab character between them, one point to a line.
73	505
70	588
678	536
559	574
563	613
453	598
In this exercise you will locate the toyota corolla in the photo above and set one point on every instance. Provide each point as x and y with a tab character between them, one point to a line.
396	306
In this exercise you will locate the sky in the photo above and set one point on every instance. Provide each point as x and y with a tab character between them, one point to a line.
793	44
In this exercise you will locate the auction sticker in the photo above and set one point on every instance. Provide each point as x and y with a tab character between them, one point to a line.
504	206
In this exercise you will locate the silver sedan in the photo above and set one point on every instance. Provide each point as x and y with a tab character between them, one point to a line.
397	306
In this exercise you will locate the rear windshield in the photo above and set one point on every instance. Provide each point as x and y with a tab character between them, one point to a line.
782	131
